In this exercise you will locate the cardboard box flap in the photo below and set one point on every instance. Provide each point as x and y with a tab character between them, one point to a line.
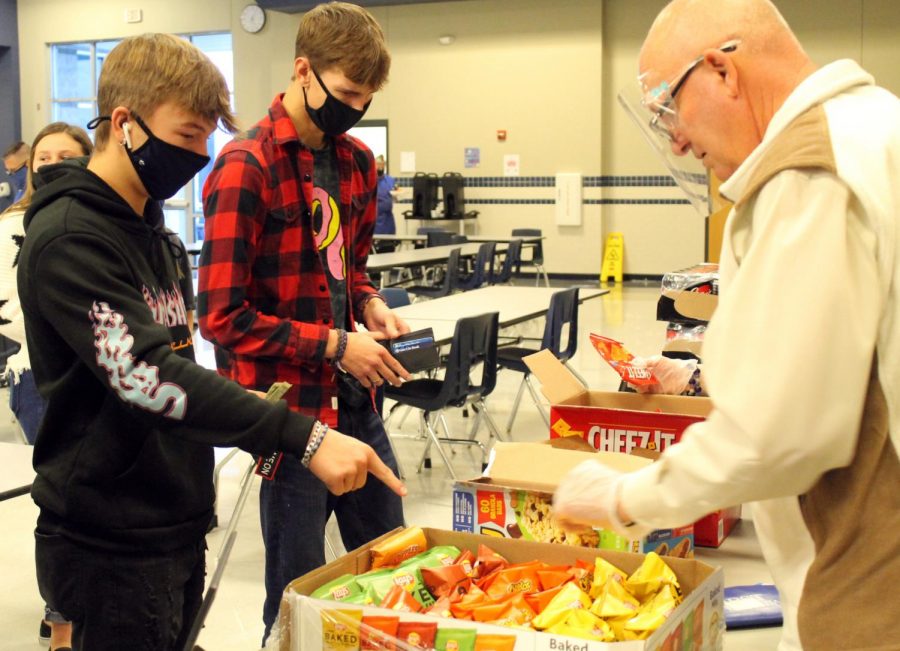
695	305
557	382
684	346
513	464
645	402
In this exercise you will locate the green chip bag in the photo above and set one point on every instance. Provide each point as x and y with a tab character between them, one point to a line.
455	639
341	589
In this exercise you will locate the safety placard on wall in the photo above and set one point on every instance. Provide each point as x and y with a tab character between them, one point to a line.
568	199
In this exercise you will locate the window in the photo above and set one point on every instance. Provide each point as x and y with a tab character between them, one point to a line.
75	72
374	133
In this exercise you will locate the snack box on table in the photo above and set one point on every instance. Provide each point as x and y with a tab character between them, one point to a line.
697	624
614	421
513	501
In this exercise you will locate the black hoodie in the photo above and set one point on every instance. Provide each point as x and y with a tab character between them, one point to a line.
123	455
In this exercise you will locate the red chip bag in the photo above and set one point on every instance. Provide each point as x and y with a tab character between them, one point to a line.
621	360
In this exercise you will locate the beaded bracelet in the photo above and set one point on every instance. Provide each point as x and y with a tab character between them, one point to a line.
315	440
341	349
693	385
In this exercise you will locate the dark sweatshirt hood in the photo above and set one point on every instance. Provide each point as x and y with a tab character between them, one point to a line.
72	179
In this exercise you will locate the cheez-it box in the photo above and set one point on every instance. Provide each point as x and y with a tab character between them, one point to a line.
613	421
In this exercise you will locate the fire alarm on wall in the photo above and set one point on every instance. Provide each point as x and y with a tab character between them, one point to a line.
501	134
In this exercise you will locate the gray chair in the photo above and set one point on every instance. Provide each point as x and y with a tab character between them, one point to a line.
536	259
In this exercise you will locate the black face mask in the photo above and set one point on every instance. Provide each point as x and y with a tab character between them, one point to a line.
380	172
334	117
162	167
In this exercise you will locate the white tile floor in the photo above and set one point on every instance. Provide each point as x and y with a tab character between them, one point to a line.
234	623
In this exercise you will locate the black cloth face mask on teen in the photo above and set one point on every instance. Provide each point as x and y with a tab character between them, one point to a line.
334	117
162	167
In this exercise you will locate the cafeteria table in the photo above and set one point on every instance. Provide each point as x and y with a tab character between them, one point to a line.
17	474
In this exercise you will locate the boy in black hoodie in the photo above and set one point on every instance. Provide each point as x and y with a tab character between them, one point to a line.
123	457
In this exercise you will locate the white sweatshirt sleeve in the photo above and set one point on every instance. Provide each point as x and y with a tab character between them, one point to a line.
787	358
12	234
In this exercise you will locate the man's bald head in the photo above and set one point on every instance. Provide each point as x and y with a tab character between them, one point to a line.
723	108
685	28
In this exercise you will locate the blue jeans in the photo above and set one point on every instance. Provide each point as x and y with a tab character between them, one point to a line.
139	601
295	506
26	403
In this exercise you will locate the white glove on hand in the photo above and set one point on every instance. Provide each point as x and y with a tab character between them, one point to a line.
672	374
589	496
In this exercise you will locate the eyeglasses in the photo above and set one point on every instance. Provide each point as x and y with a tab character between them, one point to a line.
661	100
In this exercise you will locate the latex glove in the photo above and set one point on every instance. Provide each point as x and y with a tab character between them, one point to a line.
673	374
589	496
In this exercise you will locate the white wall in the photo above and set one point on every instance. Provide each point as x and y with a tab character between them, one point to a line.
546	72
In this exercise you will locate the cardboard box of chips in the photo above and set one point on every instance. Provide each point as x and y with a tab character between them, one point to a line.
307	623
613	421
510	501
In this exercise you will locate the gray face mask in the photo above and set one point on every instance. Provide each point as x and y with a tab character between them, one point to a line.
333	117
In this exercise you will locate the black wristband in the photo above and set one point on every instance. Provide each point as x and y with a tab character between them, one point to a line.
341	347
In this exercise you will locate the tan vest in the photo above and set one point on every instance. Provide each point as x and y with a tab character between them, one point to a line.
849	511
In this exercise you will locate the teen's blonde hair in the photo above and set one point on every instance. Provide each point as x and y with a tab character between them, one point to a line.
143	72
77	134
346	37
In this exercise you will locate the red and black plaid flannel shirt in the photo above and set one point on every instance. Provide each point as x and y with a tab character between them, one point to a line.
263	296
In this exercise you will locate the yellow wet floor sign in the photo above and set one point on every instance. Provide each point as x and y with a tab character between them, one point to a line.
612	258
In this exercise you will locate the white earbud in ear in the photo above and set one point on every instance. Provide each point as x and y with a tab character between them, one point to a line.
126	128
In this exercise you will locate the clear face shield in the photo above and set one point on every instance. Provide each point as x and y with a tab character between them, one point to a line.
654	111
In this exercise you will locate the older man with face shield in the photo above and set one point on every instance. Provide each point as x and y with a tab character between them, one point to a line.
800	357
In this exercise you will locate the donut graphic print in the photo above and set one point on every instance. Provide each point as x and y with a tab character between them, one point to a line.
329	236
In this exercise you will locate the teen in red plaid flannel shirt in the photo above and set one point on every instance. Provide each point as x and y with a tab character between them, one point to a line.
290	210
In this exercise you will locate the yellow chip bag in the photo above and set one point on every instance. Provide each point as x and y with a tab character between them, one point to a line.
340	630
396	549
583	624
603	571
650	577
615	601
569	598
654	613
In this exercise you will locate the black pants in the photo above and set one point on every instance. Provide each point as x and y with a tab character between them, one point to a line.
121	601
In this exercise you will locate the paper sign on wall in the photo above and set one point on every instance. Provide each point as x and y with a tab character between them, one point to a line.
510	165
472	156
407	161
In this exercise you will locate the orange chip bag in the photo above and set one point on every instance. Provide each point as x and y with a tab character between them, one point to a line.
398	598
378	632
622	361
650	577
467	559
512	611
540	600
515	578
488	561
495	642
441	580
396	549
553	576
417	634
462	607
569	598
